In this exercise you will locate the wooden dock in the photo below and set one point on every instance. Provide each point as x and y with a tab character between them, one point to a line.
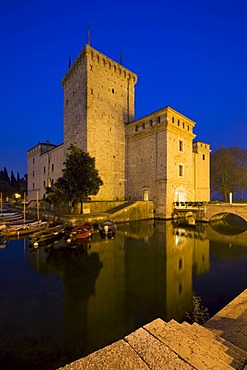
220	344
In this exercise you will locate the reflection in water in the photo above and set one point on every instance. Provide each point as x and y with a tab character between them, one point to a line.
68	302
228	224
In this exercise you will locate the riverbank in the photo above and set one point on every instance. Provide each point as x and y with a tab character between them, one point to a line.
220	344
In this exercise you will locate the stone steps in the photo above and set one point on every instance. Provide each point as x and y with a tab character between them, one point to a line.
186	347
230	348
166	346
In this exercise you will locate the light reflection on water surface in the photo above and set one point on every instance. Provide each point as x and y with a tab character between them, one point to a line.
60	303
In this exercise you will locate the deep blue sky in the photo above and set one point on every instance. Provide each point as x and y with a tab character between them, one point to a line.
190	55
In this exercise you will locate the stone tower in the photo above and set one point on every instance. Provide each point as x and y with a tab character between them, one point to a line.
98	102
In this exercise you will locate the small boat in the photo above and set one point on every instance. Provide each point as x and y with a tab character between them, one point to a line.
107	229
23	230
81	232
22	224
9	217
46	236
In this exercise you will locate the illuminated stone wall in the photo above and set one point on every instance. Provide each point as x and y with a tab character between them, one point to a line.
44	163
152	158
98	101
160	159
201	154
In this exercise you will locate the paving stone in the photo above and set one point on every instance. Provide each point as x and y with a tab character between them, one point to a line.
117	356
186	348
231	349
216	348
154	352
231	322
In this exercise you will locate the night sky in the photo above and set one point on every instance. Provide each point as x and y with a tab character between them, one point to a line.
190	55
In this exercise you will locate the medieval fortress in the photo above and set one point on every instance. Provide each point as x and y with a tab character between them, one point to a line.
153	158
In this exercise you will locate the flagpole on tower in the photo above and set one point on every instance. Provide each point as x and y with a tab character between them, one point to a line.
89	34
121	55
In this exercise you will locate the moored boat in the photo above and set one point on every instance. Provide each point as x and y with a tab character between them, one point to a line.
23	230
107	229
46	236
9	217
81	232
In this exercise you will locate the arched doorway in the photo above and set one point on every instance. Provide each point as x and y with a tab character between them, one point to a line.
145	194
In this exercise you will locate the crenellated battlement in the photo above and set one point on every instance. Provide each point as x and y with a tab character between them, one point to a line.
94	56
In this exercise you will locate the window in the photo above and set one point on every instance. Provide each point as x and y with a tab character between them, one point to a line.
44	184
183	124
180	170
172	119
180	264
181	145
33	173
44	169
52	167
33	160
151	122
178	122
113	91
158	119
203	157
136	128
143	125
33	185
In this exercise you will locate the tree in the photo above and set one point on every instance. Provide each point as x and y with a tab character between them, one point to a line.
80	178
229	171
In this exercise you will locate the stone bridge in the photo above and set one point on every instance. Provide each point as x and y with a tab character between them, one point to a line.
208	212
212	210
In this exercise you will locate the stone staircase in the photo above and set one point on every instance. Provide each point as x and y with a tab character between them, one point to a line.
167	345
120	207
196	346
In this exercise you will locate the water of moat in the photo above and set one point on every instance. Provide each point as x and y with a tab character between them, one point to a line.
58	304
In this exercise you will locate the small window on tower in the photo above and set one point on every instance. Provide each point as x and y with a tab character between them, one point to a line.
143	125
136	128
181	170
203	157
181	145
113	91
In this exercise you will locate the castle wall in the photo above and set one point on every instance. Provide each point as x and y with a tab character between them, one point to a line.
99	100
159	159
75	104
45	163
201	174
152	158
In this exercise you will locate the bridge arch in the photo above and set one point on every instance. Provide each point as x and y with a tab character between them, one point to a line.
237	209
228	223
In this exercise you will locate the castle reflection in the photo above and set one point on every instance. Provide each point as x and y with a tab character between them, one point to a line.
114	286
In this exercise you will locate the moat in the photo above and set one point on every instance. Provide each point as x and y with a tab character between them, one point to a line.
59	304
